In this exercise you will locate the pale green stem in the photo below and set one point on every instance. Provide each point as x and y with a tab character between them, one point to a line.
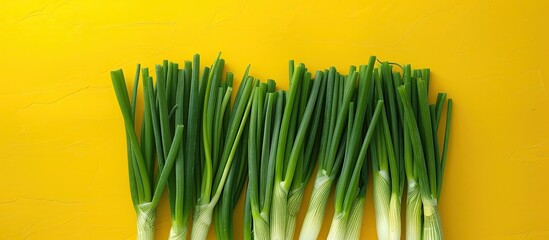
202	221
338	228
317	208
279	212
354	224
382	198
413	212
178	231
261	228
145	222
294	204
394	217
432	229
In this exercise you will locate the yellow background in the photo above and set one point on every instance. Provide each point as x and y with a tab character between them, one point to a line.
62	148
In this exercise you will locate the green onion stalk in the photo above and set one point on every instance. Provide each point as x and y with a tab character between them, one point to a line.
219	143
292	135
347	220
309	154
170	98
423	159
354	224
387	159
265	120
223	213
177	103
340	90
414	207
248	222
347	189
146	188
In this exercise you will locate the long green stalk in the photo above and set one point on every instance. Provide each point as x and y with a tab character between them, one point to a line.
347	198
145	198
414	213
213	180
309	155
258	160
237	176
265	120
338	98
286	160
233	188
425	168
177	89
347	184
388	159
179	229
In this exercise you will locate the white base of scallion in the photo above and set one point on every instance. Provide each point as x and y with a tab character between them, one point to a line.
261	229
387	207
338	228
354	224
394	217
290	226
382	198
279	212
202	221
432	229
294	204
414	212
178	232
317	208
145	222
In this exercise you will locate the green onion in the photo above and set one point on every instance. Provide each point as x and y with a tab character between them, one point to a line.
261	155
184	102
414	206
347	184
219	146
140	160
170	78
309	154
317	120
348	199
424	163
290	144
387	162
339	94
236	178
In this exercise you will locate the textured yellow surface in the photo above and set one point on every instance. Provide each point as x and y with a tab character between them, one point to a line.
62	148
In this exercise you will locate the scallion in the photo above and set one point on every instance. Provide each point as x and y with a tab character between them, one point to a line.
219	146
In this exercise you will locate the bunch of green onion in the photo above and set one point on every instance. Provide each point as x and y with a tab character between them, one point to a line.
265	120
349	196
308	155
173	93
221	133
387	163
157	135
424	161
207	146
340	121
223	213
291	164
406	148
340	91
